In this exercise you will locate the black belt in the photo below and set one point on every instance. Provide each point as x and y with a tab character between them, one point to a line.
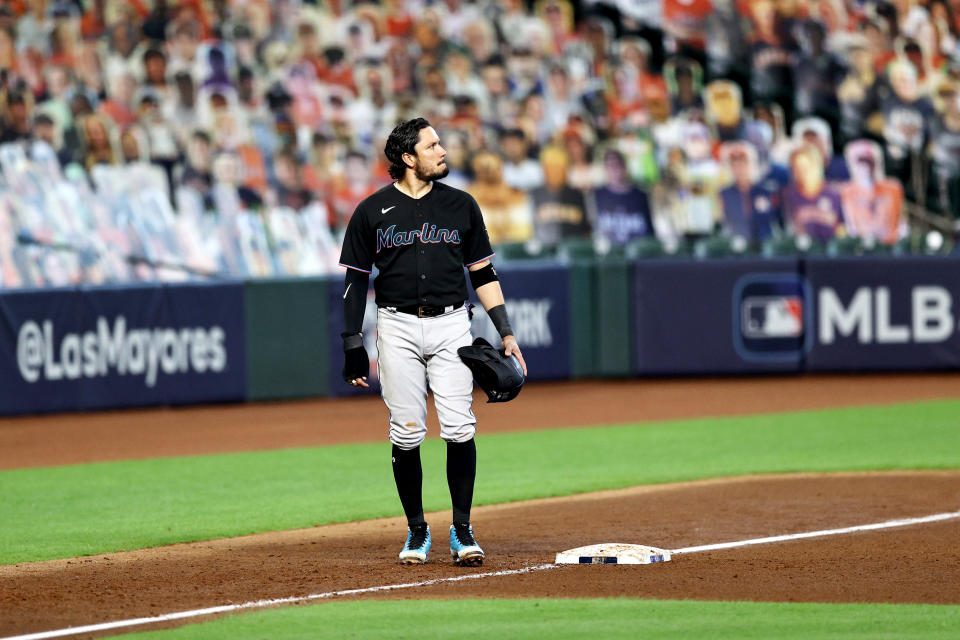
428	311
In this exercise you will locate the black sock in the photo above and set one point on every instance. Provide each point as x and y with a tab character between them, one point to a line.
408	475
461	471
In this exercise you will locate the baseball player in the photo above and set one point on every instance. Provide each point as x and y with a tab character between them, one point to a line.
420	234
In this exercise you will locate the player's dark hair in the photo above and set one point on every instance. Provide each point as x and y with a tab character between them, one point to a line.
403	139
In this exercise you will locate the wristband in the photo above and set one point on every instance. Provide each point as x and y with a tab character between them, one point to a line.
498	315
352	340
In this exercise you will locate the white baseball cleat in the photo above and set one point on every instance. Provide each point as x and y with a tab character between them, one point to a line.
417	546
464	549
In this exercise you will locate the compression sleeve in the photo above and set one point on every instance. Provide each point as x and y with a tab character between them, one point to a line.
354	300
498	315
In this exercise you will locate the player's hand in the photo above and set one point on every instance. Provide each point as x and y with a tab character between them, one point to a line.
356	364
360	382
510	348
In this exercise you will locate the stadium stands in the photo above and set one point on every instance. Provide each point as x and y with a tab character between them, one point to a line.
186	140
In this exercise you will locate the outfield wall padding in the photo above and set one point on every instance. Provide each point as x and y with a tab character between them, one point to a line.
287	345
581	275
613	324
190	343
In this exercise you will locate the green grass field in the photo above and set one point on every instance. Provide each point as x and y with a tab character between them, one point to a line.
67	511
578	619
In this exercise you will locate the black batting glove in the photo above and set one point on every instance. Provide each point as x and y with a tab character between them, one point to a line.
356	363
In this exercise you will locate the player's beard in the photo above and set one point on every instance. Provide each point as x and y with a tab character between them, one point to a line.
437	173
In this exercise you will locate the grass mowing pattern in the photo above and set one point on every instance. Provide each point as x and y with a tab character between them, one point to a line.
578	619
62	512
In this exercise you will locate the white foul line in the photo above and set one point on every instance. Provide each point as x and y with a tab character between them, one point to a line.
259	604
816	534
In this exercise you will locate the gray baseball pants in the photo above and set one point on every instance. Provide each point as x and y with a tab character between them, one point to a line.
417	354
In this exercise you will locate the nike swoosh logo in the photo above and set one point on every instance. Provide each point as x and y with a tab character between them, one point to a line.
347	291
383	211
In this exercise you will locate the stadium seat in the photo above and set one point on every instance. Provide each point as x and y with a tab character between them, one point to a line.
902	247
523	251
845	246
612	253
646	247
511	251
712	247
816	248
682	249
876	249
576	249
779	247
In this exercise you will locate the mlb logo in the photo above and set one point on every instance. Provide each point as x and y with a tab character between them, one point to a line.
771	317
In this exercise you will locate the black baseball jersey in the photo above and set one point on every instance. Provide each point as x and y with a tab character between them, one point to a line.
420	247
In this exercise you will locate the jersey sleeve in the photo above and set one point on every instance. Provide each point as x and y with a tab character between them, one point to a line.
476	244
356	251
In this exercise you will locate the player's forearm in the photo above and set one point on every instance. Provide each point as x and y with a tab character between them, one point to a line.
490	295
486	283
354	300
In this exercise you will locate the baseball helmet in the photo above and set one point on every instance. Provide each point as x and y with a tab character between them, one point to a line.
499	376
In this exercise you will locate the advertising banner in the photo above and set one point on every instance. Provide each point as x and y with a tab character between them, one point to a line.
69	349
885	314
721	316
538	305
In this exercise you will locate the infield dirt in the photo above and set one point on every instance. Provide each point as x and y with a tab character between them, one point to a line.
915	564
